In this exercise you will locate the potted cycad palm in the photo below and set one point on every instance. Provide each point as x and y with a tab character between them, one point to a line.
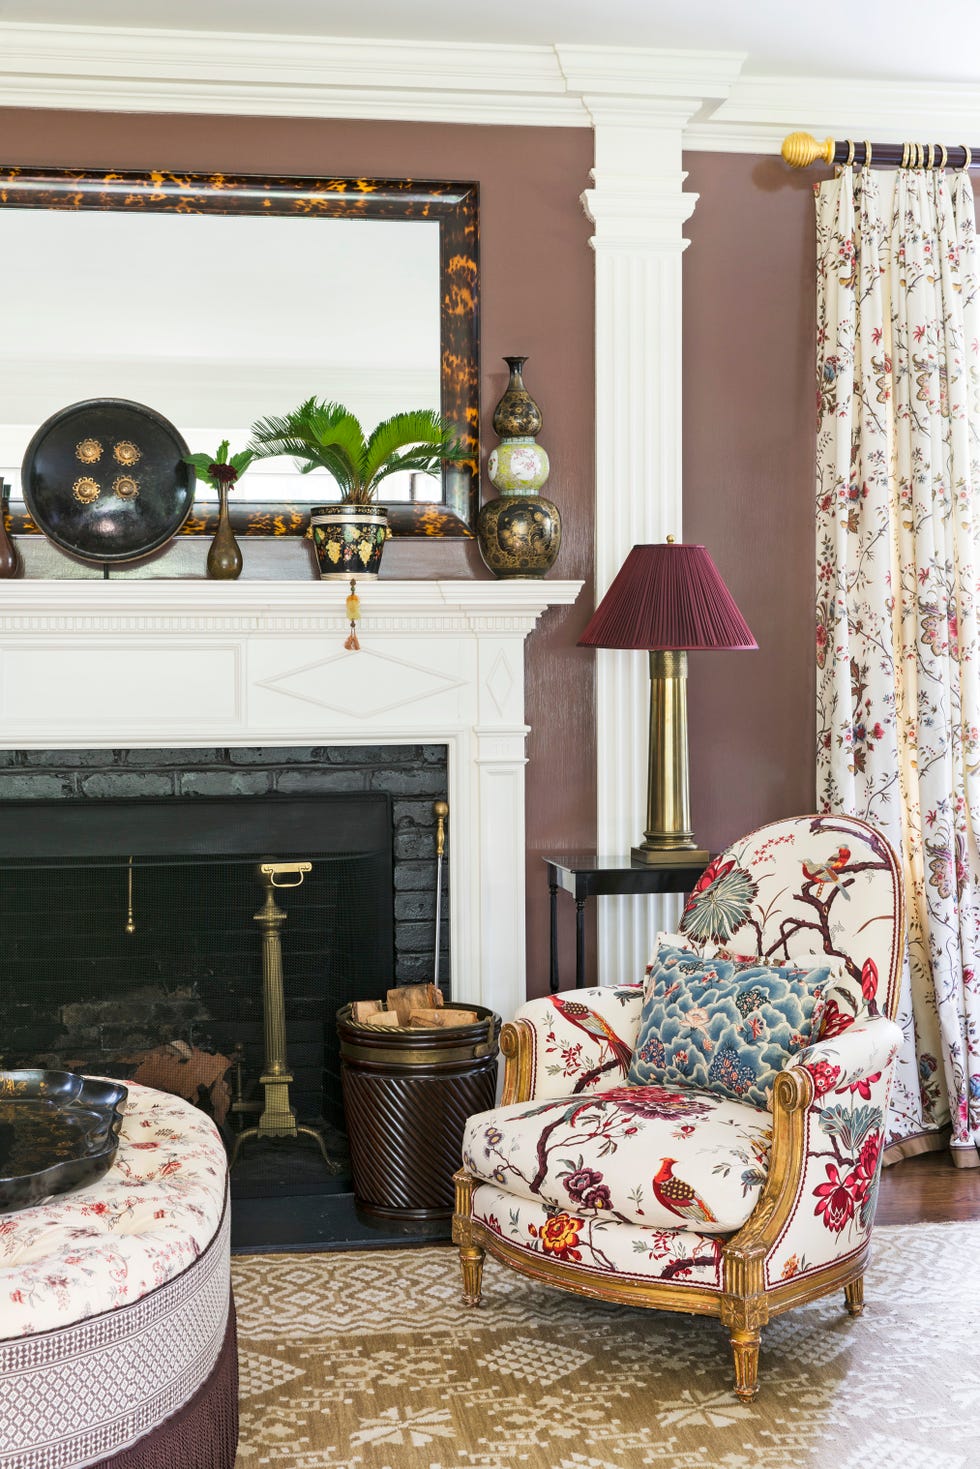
349	536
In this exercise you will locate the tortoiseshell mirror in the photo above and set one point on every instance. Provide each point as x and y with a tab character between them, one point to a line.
217	300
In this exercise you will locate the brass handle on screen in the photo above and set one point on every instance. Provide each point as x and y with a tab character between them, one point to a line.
272	870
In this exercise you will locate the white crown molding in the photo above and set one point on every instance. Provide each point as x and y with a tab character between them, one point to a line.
760	111
132	69
720	109
642	71
136	69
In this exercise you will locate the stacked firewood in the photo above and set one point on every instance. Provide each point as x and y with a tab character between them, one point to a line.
411	1007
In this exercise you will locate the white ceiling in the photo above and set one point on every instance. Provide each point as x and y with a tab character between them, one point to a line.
883	39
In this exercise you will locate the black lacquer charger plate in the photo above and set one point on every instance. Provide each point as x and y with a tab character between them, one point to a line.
105	480
58	1131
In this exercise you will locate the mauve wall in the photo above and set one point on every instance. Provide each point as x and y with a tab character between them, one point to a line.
536	298
749	457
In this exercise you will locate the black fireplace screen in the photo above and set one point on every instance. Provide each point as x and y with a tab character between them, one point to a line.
124	925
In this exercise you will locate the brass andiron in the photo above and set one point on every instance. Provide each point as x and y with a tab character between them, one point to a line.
440	811
278	1117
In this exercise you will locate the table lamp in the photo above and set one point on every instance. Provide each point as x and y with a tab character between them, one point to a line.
671	600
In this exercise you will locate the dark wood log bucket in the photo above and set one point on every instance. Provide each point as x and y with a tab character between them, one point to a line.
407	1095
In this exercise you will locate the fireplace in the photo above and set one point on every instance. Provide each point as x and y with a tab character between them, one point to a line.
176	868
257	668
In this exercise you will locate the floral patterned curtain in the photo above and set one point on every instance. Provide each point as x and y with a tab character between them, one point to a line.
898	561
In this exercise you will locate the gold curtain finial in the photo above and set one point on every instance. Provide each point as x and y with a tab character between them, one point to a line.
799	150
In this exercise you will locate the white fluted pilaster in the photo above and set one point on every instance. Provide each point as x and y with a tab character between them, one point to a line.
639	207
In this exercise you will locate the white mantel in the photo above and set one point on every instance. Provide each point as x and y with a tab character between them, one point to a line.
121	664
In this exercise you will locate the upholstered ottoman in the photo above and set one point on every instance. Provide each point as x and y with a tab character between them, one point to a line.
117	1336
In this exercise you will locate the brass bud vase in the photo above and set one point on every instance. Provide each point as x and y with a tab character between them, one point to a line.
519	533
225	559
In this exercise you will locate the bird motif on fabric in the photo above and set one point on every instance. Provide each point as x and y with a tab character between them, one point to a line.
821	873
678	1196
593	1025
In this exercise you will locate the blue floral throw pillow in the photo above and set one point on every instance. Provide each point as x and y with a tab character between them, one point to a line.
726	1026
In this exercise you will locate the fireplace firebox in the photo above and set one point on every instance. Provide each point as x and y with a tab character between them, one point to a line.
129	923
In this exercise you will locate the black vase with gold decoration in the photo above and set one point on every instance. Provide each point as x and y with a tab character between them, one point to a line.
519	533
9	558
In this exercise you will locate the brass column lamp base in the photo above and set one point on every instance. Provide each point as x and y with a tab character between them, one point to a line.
278	1118
668	837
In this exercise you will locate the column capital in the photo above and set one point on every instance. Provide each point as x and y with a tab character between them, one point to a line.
639	102
636	76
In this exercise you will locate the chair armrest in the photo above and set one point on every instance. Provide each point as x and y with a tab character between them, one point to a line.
577	1041
818	1205
869	1045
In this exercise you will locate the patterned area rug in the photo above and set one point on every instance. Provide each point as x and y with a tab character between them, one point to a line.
351	1360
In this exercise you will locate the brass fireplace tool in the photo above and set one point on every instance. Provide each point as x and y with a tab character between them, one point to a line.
277	1118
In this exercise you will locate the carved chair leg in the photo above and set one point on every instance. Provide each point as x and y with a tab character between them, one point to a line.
471	1259
745	1346
471	1256
854	1296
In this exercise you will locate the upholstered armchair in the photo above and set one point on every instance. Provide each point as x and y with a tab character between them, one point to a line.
709	1141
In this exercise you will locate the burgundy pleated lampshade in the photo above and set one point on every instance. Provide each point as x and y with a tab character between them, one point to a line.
668	596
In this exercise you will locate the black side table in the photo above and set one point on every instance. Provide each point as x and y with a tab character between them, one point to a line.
588	876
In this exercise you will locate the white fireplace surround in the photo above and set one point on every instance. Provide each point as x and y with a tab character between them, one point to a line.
129	664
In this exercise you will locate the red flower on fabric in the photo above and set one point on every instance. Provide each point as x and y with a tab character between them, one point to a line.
869	1155
863	1085
824	1075
559	1237
835	1020
869	980
714	869
836	1198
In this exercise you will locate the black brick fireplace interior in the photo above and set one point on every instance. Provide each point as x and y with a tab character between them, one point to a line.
78	989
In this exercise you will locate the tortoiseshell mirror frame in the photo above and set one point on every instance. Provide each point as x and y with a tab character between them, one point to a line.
454	206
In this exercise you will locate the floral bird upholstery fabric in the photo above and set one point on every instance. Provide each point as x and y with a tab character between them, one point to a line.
592	1155
595	1178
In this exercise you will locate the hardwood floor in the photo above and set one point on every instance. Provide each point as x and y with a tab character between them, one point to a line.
928	1189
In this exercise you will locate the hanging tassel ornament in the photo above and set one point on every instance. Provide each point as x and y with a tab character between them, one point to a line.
353	616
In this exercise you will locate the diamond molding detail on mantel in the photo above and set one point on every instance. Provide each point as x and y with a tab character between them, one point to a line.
111	664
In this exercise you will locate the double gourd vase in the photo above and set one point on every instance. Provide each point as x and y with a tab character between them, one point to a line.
519	533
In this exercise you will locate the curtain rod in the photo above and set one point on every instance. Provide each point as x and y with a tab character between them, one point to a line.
801	149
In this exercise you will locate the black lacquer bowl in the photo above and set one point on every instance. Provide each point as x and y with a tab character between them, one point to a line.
58	1131
106	480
